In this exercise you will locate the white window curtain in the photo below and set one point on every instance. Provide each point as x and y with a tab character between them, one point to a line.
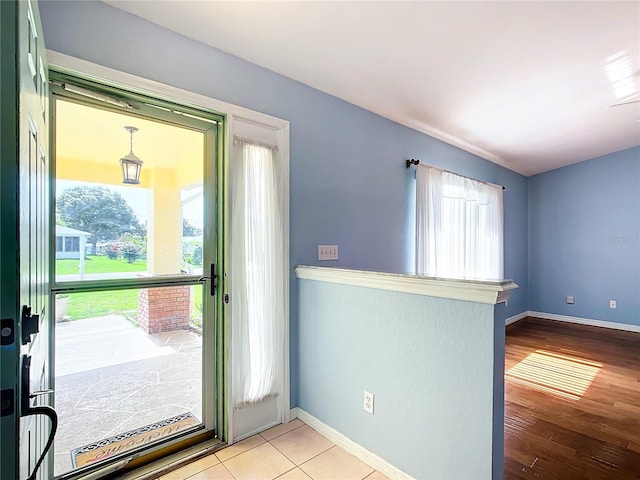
459	226
257	276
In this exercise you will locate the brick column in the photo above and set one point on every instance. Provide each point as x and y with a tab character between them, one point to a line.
164	309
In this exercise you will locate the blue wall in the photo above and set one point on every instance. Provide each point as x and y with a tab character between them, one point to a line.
349	185
584	239
428	361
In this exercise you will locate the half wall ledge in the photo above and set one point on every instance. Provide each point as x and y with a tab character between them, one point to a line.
481	291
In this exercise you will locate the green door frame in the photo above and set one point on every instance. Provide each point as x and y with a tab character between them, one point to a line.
166	110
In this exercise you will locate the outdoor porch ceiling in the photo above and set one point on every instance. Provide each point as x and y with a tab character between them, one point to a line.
91	135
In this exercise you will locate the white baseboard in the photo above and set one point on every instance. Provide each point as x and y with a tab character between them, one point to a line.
516	318
585	321
293	413
371	459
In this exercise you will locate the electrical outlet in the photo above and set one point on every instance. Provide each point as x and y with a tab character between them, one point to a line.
571	300
368	402
327	252
613	304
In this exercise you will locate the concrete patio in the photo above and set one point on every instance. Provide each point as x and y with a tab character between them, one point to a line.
111	378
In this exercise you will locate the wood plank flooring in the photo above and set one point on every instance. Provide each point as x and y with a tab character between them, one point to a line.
572	402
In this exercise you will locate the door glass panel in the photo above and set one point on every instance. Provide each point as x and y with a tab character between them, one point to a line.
128	370
107	228
128	360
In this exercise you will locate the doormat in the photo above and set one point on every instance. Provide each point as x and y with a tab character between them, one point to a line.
103	449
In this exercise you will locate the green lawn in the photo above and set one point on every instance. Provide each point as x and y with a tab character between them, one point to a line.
98	304
98	264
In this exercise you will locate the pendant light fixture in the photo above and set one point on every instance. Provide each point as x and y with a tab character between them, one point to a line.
131	165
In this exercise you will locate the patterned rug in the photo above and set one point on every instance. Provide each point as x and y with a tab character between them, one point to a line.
103	449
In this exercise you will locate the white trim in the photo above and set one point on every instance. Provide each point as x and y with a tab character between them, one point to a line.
283	143
293	413
516	318
73	65
371	459
586	321
128	81
468	290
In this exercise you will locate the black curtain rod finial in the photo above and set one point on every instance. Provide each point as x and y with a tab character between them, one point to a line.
412	161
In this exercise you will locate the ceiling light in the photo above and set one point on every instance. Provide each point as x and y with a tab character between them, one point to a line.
131	165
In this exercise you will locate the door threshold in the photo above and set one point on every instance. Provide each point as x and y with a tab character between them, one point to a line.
175	461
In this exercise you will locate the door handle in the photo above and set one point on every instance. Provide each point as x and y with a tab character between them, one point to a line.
53	416
40	392
213	278
27	410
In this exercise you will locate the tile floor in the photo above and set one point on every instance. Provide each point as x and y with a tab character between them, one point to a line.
293	451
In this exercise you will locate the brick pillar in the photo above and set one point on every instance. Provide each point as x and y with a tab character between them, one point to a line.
164	309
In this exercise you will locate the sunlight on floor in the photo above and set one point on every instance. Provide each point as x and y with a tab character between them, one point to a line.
561	375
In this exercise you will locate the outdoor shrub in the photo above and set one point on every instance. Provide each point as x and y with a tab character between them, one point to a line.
130	252
136	240
196	256
186	255
111	253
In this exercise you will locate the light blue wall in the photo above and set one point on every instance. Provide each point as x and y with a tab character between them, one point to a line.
428	361
348	182
584	238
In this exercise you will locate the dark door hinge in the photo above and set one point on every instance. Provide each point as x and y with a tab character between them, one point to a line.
30	324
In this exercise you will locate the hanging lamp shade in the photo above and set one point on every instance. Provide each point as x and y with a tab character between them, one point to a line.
131	164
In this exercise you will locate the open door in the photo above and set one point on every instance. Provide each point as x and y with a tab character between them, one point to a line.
135	277
28	421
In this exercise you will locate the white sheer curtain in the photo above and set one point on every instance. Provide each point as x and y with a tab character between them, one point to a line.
257	276
459	226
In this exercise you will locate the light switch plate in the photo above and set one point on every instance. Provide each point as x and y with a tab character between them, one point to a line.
327	252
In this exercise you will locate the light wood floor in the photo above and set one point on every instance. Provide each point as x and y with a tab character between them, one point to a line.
572	397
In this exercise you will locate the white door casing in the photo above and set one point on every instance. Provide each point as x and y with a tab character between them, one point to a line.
248	419
245	123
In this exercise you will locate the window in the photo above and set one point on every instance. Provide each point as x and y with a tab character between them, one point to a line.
258	282
459	226
59	244
71	244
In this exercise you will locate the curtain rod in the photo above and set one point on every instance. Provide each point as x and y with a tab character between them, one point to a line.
237	139
415	161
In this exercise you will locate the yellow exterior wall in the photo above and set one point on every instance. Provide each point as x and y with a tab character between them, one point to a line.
164	222
96	172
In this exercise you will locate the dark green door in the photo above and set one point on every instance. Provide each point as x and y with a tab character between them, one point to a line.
26	329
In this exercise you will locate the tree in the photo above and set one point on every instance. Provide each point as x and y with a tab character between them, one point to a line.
189	230
97	210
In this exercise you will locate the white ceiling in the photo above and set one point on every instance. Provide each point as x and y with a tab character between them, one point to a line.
519	83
